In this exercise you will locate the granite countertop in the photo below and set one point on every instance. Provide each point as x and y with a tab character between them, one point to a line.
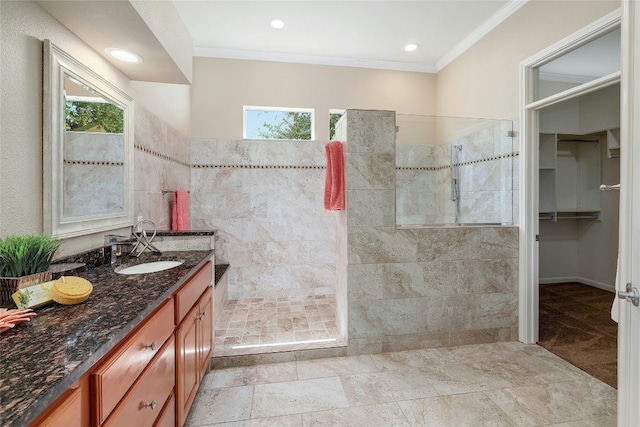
40	359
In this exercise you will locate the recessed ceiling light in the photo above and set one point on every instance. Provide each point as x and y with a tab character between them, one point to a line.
411	47
277	24
124	55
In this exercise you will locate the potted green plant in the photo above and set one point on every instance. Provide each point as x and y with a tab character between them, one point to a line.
25	261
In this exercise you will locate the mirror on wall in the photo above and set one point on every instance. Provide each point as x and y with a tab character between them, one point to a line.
88	149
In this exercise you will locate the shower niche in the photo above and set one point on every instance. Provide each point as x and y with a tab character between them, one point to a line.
454	171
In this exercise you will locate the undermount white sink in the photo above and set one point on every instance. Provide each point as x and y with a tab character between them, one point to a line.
148	267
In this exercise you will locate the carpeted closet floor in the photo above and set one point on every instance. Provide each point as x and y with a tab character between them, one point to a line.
575	324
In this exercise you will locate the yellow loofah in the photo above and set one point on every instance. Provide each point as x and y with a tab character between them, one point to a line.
71	290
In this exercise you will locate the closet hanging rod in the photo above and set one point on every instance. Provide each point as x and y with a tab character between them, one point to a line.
615	187
594	217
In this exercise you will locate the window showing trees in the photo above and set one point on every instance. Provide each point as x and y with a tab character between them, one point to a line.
90	116
334	116
278	123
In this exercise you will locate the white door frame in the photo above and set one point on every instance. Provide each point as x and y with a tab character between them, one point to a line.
629	316
529	128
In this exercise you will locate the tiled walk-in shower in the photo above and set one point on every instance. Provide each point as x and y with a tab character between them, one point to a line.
265	325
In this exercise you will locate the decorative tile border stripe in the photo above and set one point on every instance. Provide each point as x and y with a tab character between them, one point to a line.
93	162
257	167
160	155
232	166
470	162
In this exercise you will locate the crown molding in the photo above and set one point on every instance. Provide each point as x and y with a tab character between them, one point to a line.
254	55
500	16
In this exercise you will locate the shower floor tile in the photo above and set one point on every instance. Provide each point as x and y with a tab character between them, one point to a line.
264	325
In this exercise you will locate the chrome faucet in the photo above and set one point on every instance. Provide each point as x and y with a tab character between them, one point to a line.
117	242
139	241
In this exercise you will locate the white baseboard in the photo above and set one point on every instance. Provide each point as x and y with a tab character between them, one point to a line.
599	285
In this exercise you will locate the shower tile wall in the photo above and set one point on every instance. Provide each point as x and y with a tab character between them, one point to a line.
487	175
266	200
161	163
418	288
93	164
423	185
486	179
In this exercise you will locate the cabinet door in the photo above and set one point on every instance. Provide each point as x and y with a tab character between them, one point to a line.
205	332
67	413
143	404
187	363
190	293
168	416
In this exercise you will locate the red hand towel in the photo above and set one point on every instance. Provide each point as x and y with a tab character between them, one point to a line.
334	182
180	220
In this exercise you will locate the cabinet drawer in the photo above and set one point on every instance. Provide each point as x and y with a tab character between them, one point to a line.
167	417
189	294
145	401
113	378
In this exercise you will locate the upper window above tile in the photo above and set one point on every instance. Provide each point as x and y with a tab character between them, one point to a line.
277	123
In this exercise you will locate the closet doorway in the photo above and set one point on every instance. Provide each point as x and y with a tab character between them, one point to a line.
579	152
556	84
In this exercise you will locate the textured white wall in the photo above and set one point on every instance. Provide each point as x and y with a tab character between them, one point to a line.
23	26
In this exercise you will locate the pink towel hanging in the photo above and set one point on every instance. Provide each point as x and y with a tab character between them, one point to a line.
180	220
334	182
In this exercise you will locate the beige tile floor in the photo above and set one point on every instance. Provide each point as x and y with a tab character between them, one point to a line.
501	384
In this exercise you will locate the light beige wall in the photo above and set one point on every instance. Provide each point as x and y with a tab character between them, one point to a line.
23	26
483	82
222	86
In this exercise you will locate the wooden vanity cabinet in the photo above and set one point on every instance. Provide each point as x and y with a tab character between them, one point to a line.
111	380
70	410
194	339
152	376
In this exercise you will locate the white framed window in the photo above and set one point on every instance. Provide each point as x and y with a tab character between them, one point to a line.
278	123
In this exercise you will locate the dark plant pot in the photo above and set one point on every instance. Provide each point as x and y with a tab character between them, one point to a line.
10	285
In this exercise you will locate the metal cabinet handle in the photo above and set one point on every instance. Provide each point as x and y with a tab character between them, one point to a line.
151	405
152	346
